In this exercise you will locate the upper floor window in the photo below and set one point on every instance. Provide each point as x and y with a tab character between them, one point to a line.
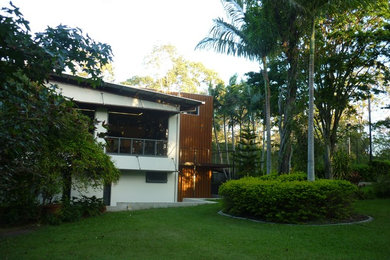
138	132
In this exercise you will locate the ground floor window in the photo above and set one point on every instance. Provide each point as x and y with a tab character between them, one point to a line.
156	177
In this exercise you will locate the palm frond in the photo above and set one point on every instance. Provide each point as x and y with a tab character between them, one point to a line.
234	10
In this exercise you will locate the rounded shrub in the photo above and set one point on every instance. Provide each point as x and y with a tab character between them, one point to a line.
288	201
297	176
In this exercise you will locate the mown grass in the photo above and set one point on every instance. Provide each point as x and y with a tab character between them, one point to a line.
200	233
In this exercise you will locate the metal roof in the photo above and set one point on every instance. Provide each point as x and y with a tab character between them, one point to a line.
185	104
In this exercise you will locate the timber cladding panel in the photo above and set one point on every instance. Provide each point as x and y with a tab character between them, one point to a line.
196	132
194	186
195	150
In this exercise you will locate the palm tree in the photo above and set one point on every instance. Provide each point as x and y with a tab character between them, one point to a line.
314	9
244	36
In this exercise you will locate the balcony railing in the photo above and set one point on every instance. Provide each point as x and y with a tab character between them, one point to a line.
136	146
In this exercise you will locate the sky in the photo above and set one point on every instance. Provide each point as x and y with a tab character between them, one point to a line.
132	28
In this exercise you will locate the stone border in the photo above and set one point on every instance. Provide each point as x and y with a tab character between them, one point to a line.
369	219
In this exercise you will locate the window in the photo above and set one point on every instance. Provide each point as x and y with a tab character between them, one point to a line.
156	177
192	112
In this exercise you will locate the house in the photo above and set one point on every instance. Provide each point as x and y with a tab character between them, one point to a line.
142	138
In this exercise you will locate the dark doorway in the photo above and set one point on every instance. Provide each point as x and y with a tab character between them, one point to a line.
107	194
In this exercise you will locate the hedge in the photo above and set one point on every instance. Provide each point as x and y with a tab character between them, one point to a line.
297	176
288	201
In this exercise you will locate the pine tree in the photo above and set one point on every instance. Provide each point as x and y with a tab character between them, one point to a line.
247	155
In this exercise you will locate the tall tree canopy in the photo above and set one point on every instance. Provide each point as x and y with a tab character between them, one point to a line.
351	60
171	72
44	140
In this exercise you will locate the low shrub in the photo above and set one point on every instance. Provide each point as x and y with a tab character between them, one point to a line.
19	213
74	210
90	206
296	176
365	193
380	168
364	171
382	186
288	201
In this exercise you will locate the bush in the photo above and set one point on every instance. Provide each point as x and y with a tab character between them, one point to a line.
364	171
90	206
365	192
74	210
382	186
288	201
19	213
296	176
380	167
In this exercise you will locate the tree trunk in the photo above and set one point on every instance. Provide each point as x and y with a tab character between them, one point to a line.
310	133
327	160
226	144
263	150
289	107
267	112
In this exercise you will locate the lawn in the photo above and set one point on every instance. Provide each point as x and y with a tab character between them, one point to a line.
200	233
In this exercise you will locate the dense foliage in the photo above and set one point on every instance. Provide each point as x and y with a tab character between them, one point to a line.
45	142
351	61
74	210
288	201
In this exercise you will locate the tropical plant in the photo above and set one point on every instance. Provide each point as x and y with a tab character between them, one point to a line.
247	34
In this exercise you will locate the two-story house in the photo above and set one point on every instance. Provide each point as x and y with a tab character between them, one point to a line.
142	134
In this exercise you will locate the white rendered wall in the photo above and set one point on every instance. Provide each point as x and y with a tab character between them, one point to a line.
147	163
132	187
97	192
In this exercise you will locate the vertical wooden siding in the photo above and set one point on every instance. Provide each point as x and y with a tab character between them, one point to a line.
196	132
202	186
195	148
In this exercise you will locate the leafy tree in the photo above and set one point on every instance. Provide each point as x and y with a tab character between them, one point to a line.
382	139
350	59
44	140
173	73
314	10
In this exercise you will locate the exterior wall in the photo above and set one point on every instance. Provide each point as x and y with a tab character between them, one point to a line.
97	192
194	187
195	150
132	187
196	132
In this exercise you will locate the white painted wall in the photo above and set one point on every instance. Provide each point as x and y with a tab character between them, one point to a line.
132	187
147	163
97	192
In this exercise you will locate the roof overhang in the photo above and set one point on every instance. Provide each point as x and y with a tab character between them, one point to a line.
185	104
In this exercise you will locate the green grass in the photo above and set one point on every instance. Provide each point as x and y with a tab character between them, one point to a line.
200	233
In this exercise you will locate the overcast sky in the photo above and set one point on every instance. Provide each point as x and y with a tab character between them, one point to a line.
132	28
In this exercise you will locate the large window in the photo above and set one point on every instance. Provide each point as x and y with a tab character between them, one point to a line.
138	132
